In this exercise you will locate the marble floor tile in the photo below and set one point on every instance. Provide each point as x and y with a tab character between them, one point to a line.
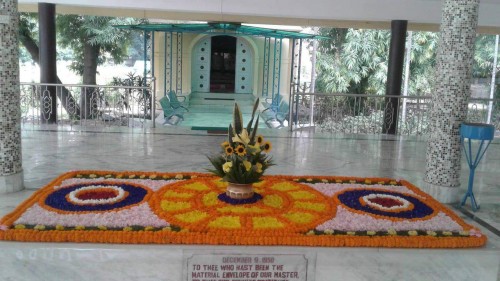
48	153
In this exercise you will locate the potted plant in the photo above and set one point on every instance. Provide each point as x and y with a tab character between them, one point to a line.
244	157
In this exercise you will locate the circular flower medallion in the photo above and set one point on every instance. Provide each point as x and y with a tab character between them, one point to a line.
384	203
285	206
95	197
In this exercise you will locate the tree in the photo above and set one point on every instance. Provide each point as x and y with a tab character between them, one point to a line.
483	57
422	62
93	39
136	50
483	69
28	35
354	61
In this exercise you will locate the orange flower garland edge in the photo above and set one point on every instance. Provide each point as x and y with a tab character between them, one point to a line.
166	237
170	237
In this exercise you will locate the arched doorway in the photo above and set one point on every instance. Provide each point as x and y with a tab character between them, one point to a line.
222	64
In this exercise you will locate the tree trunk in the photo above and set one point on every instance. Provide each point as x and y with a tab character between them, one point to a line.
67	100
90	95
31	46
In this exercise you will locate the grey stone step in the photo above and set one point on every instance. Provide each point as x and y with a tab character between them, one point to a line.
228	98
219	108
220	102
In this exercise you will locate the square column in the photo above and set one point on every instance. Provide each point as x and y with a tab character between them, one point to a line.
11	170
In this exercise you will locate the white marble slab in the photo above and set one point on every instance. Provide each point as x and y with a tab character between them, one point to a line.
47	154
11	183
45	261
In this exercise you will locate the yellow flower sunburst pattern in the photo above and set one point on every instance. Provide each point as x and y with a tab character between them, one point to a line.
285	207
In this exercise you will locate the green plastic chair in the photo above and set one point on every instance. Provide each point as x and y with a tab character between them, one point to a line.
169	111
174	101
272	104
280	115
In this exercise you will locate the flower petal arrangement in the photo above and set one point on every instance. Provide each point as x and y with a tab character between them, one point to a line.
185	208
244	157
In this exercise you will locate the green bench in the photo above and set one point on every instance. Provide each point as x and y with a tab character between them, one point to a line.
272	104
175	103
169	112
279	114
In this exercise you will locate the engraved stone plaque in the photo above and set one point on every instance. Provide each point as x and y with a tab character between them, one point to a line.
237	266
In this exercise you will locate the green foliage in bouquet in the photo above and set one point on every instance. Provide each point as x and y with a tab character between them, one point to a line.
244	156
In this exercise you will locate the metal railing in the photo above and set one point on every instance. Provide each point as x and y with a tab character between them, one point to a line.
373	114
85	105
129	106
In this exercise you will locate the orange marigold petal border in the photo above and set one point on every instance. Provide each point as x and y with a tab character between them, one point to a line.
290	213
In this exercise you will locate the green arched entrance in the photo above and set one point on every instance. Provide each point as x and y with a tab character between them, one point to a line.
222	64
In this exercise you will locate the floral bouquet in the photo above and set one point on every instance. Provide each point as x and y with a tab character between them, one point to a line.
244	155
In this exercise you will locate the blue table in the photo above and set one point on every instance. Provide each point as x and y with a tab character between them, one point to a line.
484	133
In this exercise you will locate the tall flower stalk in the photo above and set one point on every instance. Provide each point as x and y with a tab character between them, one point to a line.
244	157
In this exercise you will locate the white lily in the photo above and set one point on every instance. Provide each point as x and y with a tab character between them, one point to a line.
243	138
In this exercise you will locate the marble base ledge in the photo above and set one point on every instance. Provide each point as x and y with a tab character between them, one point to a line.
444	194
11	183
106	262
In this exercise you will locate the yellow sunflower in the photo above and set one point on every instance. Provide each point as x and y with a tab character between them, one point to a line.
224	144
229	150
267	146
240	150
260	139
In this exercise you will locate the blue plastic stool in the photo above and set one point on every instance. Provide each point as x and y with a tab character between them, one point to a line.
475	131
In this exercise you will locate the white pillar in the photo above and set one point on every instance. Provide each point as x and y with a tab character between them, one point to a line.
407	73
493	79
450	97
11	171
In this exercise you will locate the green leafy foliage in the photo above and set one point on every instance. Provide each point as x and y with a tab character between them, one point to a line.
355	61
28	25
144	97
75	31
483	57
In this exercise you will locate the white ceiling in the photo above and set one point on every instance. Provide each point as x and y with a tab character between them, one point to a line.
421	14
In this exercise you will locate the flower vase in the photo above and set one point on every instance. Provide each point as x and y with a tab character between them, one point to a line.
239	190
